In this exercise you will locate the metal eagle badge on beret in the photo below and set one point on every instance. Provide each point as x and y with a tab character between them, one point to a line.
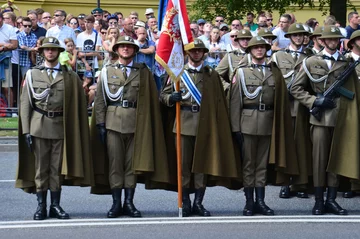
297	25
243	31
333	29
51	40
196	41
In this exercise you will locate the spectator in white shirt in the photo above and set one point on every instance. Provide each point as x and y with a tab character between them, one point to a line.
281	41
61	31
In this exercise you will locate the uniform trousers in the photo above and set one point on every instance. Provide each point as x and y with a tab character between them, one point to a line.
120	152
187	153
321	138
48	161
256	157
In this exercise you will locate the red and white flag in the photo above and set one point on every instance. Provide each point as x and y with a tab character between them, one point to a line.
175	34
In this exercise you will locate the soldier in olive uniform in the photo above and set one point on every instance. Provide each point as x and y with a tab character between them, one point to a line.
201	97
231	60
116	119
47	118
354	45
269	37
289	62
254	132
314	37
258	98
317	75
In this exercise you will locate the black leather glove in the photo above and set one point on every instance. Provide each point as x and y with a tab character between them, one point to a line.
291	97
324	102
28	140
175	97
102	132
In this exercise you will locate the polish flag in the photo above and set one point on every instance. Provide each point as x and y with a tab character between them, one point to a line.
175	34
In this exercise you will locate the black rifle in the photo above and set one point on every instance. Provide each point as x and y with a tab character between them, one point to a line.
336	88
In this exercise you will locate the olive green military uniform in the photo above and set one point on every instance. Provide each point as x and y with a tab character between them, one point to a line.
47	131
256	121
119	117
189	119
321	131
231	60
54	121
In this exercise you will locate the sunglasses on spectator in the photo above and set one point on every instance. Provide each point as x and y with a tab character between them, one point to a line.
106	15
73	23
27	26
269	19
219	20
224	29
96	15
57	15
81	16
233	36
134	18
235	25
104	33
46	17
113	23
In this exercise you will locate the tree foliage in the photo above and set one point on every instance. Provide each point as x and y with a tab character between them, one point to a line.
237	9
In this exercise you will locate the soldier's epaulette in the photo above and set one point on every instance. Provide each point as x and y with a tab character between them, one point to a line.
208	69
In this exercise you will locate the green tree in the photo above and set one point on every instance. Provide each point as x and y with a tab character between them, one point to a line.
235	9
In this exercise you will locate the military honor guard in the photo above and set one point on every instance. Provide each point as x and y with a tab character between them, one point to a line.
128	124
231	59
261	122
289	61
208	157
53	132
328	87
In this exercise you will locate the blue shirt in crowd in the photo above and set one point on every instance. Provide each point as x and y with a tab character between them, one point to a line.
28	40
148	59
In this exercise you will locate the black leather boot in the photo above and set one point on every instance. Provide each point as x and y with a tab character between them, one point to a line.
249	206
349	194
302	195
331	205
198	208
41	213
318	208
186	202
55	209
284	192
260	206
115	209
129	207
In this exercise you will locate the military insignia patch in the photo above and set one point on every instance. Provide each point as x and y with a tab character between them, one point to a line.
297	25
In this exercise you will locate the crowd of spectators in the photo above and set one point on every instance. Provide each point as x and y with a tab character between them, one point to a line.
88	39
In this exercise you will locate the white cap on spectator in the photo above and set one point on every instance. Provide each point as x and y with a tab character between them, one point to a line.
149	11
140	24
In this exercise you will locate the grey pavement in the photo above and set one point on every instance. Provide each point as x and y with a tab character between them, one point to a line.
160	215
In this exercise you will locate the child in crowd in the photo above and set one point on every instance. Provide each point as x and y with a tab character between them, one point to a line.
112	37
68	57
89	86
36	58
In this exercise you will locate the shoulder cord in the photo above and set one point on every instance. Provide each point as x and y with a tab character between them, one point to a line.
324	78
40	96
112	97
289	73
230	64
249	95
186	96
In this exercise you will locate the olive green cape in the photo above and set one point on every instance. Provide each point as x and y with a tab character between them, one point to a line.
77	166
149	156
214	151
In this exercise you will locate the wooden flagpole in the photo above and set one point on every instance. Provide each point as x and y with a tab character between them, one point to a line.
178	151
